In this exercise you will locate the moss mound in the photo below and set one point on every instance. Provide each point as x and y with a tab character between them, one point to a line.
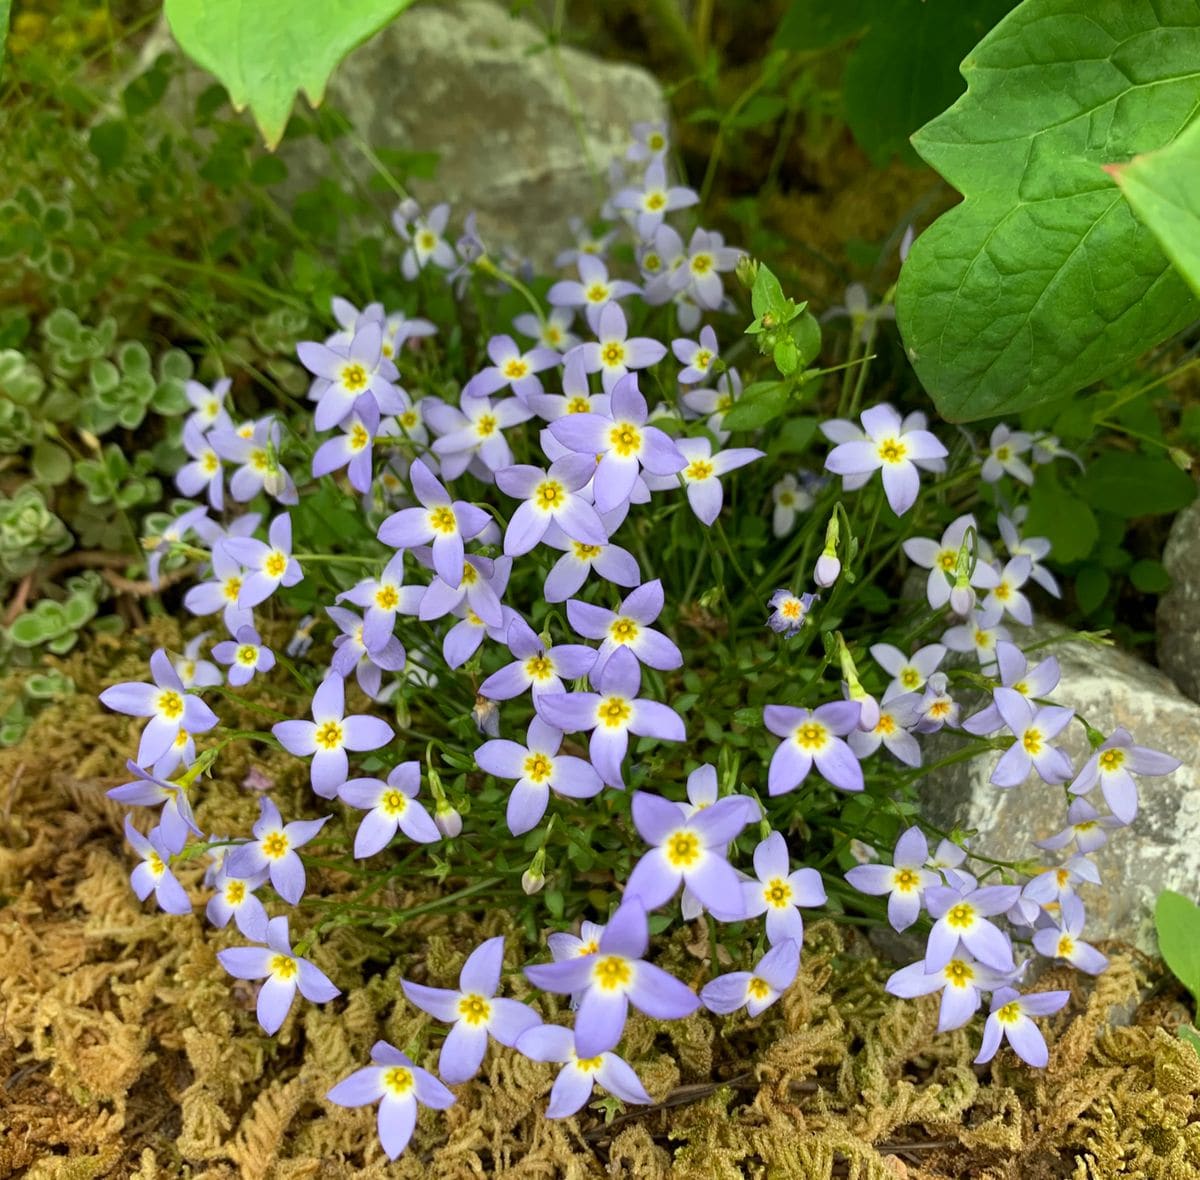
125	1050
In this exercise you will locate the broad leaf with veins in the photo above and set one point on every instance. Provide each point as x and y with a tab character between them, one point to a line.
1042	280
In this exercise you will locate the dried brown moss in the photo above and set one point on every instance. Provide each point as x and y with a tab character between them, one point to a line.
125	1050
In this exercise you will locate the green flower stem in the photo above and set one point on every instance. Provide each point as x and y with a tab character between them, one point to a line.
485	264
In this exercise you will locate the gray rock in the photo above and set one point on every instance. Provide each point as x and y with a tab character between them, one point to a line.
524	134
1162	848
1179	609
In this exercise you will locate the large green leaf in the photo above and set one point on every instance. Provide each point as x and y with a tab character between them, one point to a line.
1177	921
1164	189
1042	280
265	51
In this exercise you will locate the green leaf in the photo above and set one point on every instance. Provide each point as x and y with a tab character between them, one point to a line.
766	294
51	463
1189	1034
1129	485
1164	190
267	51
5	10
1091	588
817	24
1150	577
1062	518
1177	920
1042	280
786	356
108	141
761	403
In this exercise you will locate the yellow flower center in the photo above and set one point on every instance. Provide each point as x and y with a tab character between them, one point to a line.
486	425
811	735
426	240
1009	1013
549	494
470	575
791	608
354	378
231	588
156	864
939	708
655	201
329	735
539	668
626	439
212	407
905	880
651	262
1066	945
698	469
589	1064
474	1009
398	1080
359	436
886	725
182	738
983	638
394	802
1003	592
1002	453
778	893
387	597
441	520
612	972
515	369
623	630
170	704
655	141
613	353
538	768
1021	687
589	948
283	966
701	264
1063	877
585	552
958	973
187	670
275	564
579	405
758	989
891	450
246	430
910	678
210	463
473	618
613	712
597	293
948	559
409	419
682	849
1111	760
961	916
552	335
1032	741
247	654
702	359
275	845
235	892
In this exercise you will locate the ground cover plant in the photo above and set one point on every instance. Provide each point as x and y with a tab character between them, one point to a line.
593	612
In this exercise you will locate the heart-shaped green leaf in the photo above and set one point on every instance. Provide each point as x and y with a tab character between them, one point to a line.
1164	189
266	50
1042	280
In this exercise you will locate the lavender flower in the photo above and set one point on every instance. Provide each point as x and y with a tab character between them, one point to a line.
483	583
204	472
697	280
1016	674
569	573
550	497
779	892
350	653
472	438
716	403
269	566
1010	1018
627	628
445	522
612	977
284	972
350	378
160	546
961	919
573	1086
813	736
169	706
195	672
612	714
789	613
909	673
938	707
234	898
538	768
1033	732
175	820
1007	596
462	641
960	980
153	875
701	476
789	498
650	142
552	332
424	237
390	807
512	367
1085	826
697	357
941	560
474	1010
888	446
354	448
222	592
382	599
1062	941
614	354
904	880
245	657
208	405
755	990
538	668
255	445
980	634
689	851
273	850
1035	548
654	198
398	1086
1110	766
330	734
593	292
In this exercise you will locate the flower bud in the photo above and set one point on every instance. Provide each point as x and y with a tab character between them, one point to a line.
534	878
746	271
962	599
447	819
828	568
487	717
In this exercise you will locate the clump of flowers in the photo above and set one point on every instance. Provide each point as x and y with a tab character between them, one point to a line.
588	634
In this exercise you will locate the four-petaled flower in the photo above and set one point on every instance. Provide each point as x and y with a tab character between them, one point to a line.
615	353
537	667
779	891
273	850
1033	731
755	990
330	734
1009	1019
627	629
512	367
1110	766
904	880
550	497
474	1011
399	1087
961	920
284	972
701	476
813	736
573	1086
269	564
390	807
245	654
154	875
